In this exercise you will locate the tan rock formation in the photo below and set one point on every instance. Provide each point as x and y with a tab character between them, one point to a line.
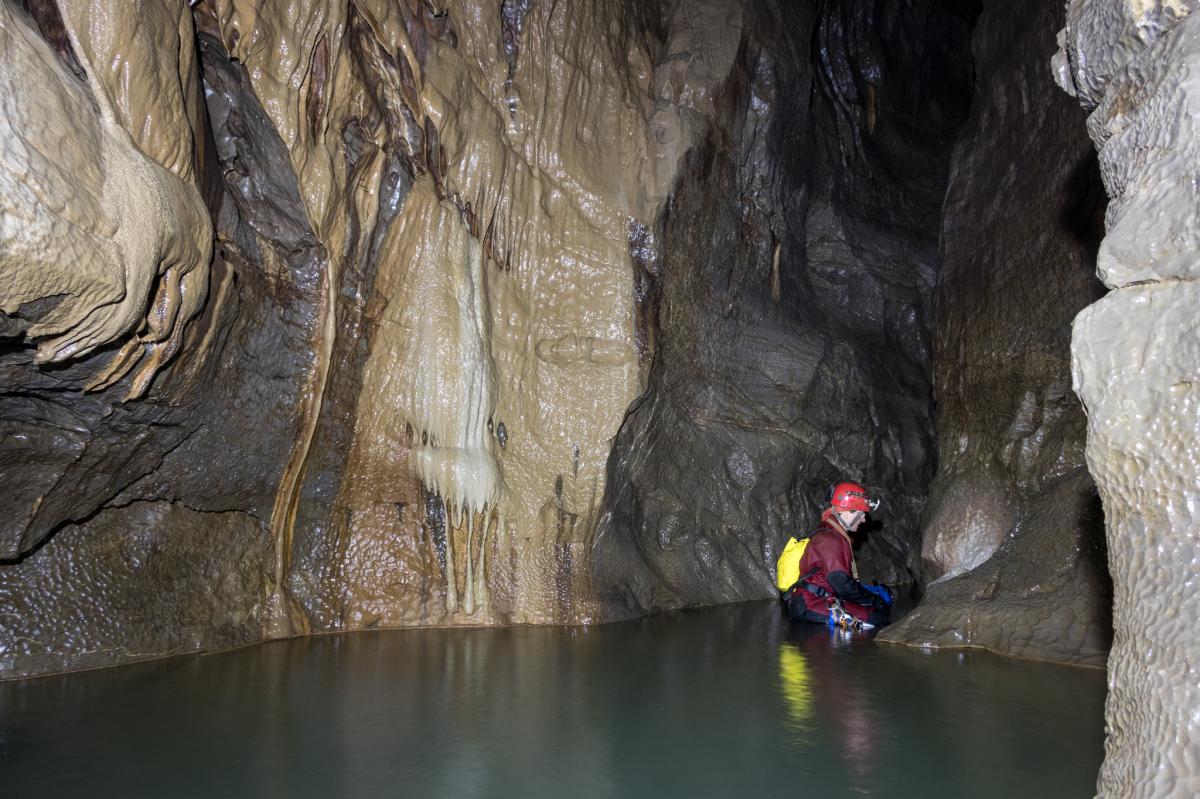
503	349
1136	357
435	221
102	222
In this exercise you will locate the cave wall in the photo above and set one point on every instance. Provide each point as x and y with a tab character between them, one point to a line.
503	348
139	581
368	281
1135	361
186	415
407	270
798	262
1013	534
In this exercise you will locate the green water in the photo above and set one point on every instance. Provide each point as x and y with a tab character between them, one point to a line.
725	702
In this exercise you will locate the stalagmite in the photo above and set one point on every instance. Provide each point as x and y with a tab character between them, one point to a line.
481	586
469	582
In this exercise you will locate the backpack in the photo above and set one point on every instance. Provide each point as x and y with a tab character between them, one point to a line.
787	568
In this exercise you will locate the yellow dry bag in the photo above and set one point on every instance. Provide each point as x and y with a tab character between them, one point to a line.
787	568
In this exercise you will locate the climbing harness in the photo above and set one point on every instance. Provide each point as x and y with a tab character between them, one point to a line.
804	585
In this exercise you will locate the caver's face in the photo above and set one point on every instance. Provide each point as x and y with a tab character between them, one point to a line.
851	519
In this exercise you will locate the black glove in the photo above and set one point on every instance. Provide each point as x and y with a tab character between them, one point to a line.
847	588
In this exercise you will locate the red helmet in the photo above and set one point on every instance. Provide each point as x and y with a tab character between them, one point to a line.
852	496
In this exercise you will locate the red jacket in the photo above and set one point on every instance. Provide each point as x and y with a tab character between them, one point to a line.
829	552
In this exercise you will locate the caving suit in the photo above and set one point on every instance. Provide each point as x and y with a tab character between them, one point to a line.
827	570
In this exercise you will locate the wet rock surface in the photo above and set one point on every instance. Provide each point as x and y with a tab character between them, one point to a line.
145	580
1013	542
416	339
1136	354
1135	360
210	435
799	257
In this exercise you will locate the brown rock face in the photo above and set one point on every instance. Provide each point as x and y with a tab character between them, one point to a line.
1013	533
796	276
201	450
145	580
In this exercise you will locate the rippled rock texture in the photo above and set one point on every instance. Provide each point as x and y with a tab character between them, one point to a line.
1014	534
796	285
145	580
1136	357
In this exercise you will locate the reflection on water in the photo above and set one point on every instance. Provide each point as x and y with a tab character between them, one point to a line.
721	702
797	690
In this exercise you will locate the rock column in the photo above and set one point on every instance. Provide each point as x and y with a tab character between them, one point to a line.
1136	366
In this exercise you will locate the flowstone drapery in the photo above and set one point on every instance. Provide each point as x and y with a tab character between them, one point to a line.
103	239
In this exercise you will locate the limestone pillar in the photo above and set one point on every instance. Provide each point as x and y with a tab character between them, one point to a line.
1136	366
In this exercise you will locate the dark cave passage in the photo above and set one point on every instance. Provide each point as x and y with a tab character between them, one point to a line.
850	290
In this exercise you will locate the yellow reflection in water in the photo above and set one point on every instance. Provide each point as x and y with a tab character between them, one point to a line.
796	684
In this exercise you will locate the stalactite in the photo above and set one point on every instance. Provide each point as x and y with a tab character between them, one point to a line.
469	583
452	388
451	581
481	591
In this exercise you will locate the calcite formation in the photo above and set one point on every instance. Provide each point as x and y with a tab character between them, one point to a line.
104	237
520	211
1013	533
1136	357
377	275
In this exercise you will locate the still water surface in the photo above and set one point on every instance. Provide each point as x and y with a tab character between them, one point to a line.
723	702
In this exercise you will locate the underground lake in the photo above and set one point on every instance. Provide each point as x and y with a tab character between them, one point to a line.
728	701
